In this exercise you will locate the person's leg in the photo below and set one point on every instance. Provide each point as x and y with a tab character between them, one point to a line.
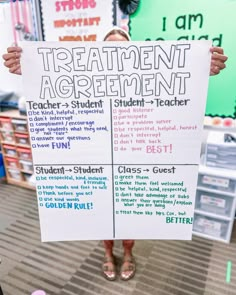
128	266
128	247
108	267
108	245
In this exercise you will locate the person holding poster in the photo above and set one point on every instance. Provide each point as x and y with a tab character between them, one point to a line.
128	265
12	61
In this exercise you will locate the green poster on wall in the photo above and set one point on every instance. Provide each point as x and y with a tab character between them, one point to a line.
195	20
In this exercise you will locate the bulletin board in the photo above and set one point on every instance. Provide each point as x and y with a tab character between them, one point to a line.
189	20
83	20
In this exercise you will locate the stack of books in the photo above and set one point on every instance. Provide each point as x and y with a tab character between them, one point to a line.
221	150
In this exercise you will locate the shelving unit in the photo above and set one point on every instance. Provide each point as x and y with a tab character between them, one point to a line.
215	204
16	148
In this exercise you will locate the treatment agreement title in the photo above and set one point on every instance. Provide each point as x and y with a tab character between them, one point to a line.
114	71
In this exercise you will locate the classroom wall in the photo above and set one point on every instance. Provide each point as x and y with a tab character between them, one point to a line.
195	20
8	82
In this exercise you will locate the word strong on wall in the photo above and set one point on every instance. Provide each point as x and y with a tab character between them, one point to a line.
76	20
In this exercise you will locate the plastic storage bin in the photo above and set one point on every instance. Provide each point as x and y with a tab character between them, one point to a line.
210	226
19	125
12	162
24	153
29	178
218	183
9	150
26	166
14	174
22	138
214	203
7	136
5	123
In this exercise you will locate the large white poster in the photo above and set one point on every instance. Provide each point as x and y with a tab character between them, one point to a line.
79	20
116	133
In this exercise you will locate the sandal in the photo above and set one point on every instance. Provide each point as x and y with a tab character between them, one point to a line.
128	268
109	268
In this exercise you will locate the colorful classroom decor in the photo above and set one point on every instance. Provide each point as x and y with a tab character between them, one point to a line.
82	20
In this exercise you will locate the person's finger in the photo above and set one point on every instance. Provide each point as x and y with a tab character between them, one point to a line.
14	49
214	70
14	69
217	49
18	71
216	56
219	64
8	56
11	62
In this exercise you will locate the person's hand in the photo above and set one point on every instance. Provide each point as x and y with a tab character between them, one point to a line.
218	60
12	59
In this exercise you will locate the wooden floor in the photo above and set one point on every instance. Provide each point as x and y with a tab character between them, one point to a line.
196	267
